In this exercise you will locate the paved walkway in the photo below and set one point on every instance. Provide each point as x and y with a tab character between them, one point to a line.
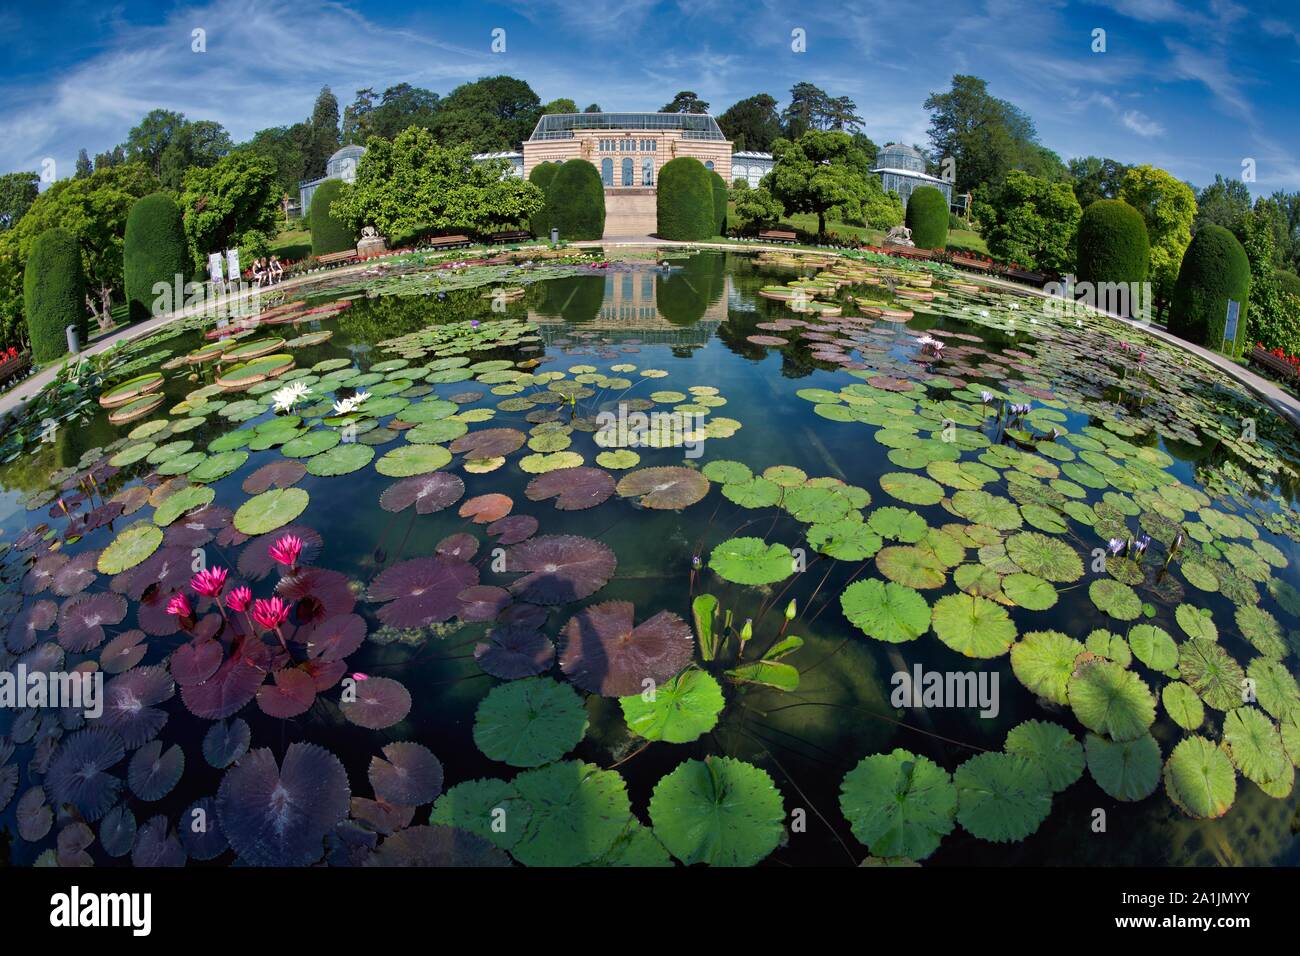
1282	401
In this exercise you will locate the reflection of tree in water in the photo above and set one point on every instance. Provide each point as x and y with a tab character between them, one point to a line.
684	294
384	317
577	300
796	358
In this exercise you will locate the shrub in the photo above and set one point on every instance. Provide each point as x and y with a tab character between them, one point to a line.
719	204
685	205
54	293
927	217
1113	244
542	176
328	233
575	202
1287	282
1214	270
154	250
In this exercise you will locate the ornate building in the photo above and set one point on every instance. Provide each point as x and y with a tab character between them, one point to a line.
902	169
342	165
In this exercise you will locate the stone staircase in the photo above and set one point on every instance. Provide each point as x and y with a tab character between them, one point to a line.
630	213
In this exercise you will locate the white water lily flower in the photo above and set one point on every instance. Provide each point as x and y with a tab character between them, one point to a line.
289	396
347	405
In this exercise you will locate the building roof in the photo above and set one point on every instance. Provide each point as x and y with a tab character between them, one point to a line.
563	125
746	154
912	174
508	154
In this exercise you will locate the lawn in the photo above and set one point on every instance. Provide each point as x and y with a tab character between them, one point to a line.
957	238
293	242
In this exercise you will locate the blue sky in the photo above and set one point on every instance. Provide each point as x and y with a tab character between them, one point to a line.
1195	88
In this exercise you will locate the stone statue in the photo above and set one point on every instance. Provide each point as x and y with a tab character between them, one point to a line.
369	232
899	236
371	243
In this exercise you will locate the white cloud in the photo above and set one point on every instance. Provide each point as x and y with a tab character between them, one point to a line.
1141	124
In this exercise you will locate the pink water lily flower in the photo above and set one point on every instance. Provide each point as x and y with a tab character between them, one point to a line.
286	549
270	612
179	605
239	599
209	581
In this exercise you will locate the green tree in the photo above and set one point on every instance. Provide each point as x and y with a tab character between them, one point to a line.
755	208
752	124
154	250
286	147
541	176
402	107
985	136
356	118
1269	321
54	289
1030	221
414	184
575	201
84	168
147	140
201	143
17	193
328	232
1096	178
593	108
927	217
1113	244
226	203
805	112
1213	271
684	203
1225	202
818	172
323	139
1168	207
495	113
685	102
562	105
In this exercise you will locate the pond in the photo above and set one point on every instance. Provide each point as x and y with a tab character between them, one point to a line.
726	558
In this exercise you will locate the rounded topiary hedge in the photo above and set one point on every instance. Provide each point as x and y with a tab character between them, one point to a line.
542	176
54	293
1214	270
328	234
1113	244
575	202
927	217
684	203
719	204
154	250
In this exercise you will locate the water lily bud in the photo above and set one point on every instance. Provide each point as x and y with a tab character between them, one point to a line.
790	611
747	631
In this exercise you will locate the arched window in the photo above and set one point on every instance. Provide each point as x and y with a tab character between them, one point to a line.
647	172
627	173
607	171
709	165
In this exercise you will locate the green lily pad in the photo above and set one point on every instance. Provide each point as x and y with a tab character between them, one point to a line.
682	709
719	811
1049	558
1029	591
131	546
910	566
492	809
1196	622
981	507
726	472
577	811
898	524
529	722
218	466
411	460
1275	687
1127	771
973	626
340	460
1262	630
751	561
1199	778
1111	700
1210	671
620	459
752	492
182	501
270	510
1001	797
1115	598
844	540
1255	748
886	611
1182	705
312	443
1052	748
899	804
913	489
1153	647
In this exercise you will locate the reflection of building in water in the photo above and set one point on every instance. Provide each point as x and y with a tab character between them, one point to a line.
630	308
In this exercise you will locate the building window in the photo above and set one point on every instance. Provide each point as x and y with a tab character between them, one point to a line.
607	171
627	173
709	165
647	172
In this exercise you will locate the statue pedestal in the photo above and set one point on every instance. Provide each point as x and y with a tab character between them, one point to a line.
371	246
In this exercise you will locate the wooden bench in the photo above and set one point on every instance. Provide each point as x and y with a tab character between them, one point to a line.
1269	360
444	242
13	367
513	235
979	265
1024	275
778	235
332	257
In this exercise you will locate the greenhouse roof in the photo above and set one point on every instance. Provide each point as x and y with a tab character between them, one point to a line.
564	125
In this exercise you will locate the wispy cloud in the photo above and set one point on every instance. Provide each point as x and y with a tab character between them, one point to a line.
1141	124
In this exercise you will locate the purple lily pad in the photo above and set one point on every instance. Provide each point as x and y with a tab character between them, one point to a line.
33	815
407	775
333	638
668	489
429	493
421	591
71	843
130	704
486	509
40	577
317	594
482	602
153	773
156	845
167	569
513	528
195	662
284	473
459	546
383	818
75	576
488	443
380	702
559	568
290	694
82	620
574	489
279	816
436	845
605	653
225	742
123	652
79	772
22	631
117	831
515	651
255	561
233	685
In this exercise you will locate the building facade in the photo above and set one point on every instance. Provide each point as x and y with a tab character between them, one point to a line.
902	169
628	149
751	167
342	165
513	157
